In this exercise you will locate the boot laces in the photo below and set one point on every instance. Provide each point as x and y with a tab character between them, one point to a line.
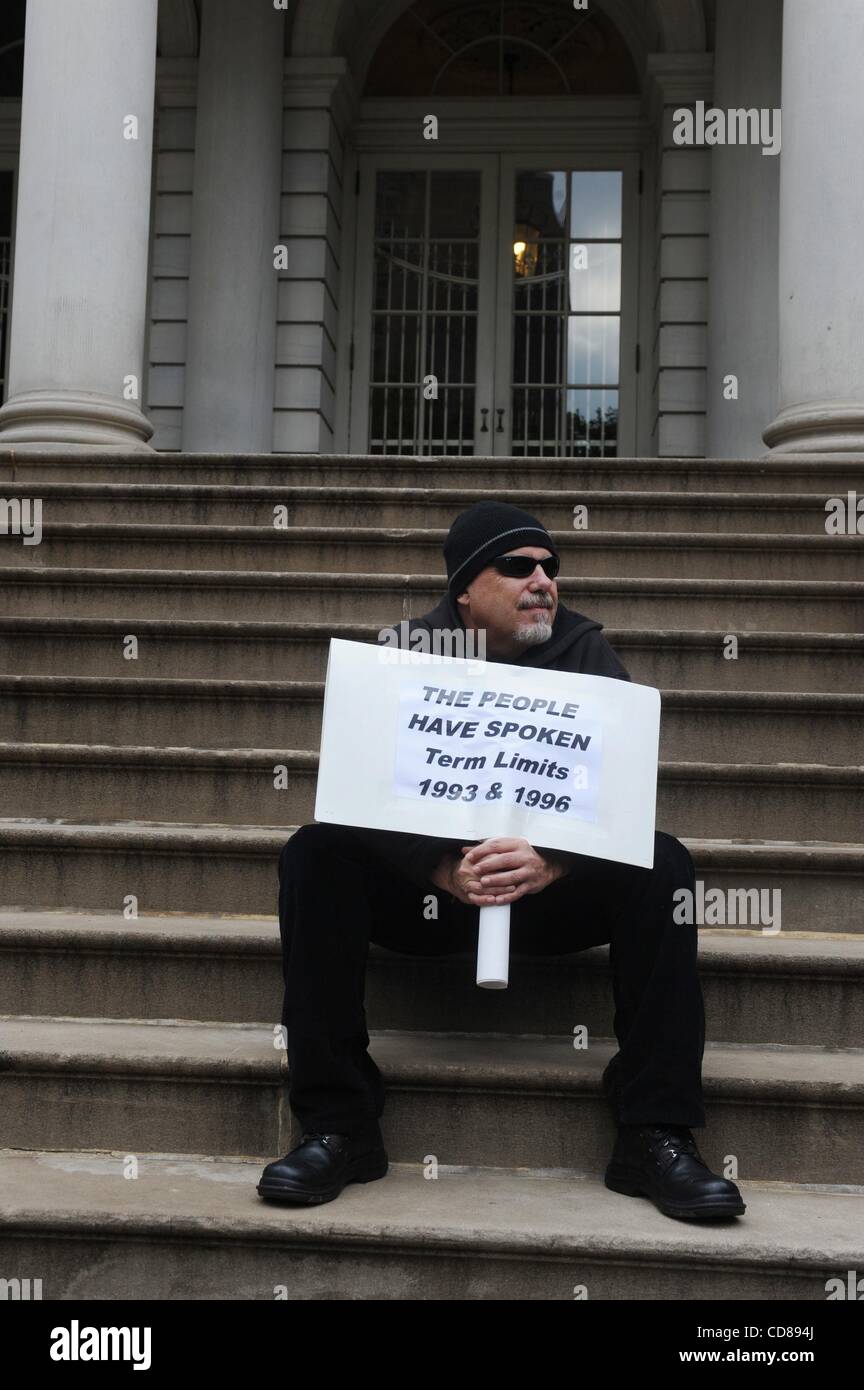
675	1139
315	1134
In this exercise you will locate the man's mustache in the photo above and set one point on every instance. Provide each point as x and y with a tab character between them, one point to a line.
544	602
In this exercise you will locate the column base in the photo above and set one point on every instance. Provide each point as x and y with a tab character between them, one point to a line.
832	427
73	418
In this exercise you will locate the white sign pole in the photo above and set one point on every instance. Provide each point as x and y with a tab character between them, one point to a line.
493	947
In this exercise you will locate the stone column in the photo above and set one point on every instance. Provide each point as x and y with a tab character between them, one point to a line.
83	223
821	395
231	347
745	192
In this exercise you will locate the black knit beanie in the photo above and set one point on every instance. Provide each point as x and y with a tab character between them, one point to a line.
485	531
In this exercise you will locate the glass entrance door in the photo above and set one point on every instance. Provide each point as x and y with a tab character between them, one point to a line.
496	310
425	316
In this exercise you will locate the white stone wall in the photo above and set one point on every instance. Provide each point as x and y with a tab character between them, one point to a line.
165	351
681	272
315	123
317	107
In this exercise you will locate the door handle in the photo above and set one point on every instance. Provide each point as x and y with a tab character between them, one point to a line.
484	428
500	414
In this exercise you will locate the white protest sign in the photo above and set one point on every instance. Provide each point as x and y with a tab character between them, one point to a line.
467	749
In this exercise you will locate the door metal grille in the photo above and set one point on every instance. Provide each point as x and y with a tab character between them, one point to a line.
422	393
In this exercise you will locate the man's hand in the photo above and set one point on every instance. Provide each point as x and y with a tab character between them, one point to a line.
496	872
445	877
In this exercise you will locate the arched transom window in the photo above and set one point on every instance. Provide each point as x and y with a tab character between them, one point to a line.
489	48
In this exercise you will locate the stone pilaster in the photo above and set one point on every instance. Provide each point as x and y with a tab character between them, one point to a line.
228	404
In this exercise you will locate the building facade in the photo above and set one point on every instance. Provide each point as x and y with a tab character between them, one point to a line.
372	227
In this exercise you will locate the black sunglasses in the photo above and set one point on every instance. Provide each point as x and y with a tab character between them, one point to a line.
520	566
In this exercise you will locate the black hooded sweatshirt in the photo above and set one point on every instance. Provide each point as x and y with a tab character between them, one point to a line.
577	644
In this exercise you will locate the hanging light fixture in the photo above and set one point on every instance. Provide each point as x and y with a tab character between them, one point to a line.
526	249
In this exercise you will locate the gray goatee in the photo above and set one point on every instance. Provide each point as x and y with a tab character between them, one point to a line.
531	635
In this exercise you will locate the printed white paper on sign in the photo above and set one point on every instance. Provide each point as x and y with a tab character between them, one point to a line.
523	751
467	749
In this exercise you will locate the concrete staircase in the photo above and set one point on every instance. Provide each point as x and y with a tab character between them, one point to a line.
141	1088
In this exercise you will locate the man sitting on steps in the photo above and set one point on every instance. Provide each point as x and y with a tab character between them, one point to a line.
341	887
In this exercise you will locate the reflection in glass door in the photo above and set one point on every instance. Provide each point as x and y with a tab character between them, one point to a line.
566	343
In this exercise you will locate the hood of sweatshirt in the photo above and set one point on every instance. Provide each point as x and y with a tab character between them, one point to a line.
568	629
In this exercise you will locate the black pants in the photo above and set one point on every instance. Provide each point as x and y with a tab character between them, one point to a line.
335	897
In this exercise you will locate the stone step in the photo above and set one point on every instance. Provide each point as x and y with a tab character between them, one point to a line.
785	473
784	1090
203	784
735	605
809	662
174	867
791	1114
195	1228
178	504
707	725
799	989
358	550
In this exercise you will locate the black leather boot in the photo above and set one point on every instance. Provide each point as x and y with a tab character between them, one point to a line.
663	1162
320	1166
